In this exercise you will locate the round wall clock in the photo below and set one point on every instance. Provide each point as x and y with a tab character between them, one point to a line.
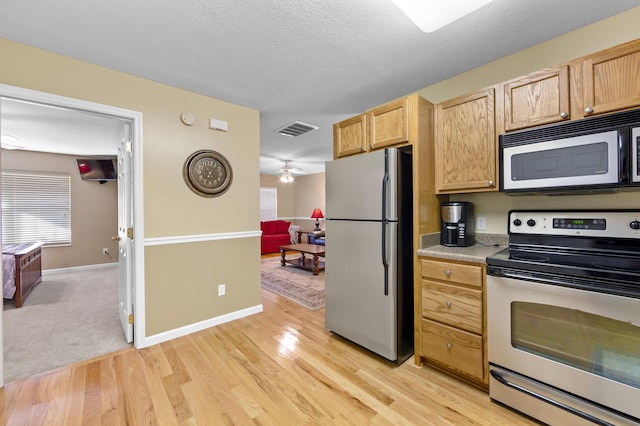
207	173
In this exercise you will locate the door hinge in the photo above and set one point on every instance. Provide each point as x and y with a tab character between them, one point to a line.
129	147
129	232
130	318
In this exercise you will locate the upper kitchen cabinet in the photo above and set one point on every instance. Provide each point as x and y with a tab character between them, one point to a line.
392	124
389	124
538	98
611	79
465	144
350	136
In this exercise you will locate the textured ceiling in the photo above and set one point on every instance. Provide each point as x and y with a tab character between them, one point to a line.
313	61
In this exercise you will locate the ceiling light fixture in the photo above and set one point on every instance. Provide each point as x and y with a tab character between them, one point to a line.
286	177
432	15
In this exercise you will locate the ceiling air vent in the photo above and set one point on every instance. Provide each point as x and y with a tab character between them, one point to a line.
296	128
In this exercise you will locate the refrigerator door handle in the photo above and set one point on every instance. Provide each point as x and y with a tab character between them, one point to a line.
385	185
385	264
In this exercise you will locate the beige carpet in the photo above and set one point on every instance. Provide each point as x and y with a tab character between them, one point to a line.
295	284
69	317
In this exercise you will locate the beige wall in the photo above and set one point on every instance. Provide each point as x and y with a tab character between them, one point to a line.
192	270
94	210
286	193
601	35
297	200
310	195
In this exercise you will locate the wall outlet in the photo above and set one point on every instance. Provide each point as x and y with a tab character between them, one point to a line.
105	250
481	223
221	290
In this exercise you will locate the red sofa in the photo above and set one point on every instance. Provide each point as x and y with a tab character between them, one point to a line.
275	233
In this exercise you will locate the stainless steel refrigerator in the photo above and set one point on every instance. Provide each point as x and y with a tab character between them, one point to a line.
369	251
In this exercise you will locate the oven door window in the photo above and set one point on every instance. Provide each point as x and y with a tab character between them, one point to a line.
593	343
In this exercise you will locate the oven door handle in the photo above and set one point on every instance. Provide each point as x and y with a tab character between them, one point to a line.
548	400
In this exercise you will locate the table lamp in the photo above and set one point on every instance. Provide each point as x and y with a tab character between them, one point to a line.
317	214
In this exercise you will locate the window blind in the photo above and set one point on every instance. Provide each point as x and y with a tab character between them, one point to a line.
36	207
268	203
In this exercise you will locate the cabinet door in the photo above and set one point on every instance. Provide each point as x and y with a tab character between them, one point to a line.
465	144
538	98
349	136
611	79
388	124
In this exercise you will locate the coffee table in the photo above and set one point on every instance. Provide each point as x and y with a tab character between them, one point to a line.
312	264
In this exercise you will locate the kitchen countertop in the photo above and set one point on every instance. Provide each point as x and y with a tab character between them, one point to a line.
486	245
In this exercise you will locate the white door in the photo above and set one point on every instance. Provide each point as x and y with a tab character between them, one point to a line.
125	231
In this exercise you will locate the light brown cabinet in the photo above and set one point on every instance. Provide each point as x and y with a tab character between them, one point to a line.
611	79
452	318
599	83
536	99
381	127
465	144
350	136
389	124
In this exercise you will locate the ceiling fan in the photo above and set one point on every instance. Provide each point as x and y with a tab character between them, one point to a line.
287	172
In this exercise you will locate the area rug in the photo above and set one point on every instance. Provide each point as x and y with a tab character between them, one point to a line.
293	283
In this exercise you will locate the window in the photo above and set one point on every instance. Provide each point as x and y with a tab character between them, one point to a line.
268	204
36	207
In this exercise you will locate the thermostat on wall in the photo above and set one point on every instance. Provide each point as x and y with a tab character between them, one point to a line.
218	124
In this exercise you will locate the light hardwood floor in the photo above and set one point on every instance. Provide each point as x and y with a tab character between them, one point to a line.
279	367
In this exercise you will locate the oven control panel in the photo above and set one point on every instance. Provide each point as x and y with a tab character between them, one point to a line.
588	223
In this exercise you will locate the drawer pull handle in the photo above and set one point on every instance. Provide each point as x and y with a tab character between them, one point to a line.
448	303
447	272
448	345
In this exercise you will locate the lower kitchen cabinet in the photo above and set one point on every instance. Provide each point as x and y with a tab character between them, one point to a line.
452	328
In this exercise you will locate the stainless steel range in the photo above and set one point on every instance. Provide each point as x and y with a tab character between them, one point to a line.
563	305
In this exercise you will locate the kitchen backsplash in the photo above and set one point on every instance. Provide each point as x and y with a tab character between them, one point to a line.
433	239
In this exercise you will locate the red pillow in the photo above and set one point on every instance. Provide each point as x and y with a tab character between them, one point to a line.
282	227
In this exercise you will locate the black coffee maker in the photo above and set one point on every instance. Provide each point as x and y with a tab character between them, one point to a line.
457	224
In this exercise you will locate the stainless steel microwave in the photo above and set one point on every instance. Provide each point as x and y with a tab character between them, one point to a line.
599	154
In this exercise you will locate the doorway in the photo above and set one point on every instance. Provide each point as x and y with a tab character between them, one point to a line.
129	152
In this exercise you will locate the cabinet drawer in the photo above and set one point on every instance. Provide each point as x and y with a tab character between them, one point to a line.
457	306
452	272
458	349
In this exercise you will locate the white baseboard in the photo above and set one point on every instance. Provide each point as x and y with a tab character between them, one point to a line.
79	268
192	328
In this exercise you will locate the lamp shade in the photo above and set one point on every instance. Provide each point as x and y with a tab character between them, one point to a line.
317	214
